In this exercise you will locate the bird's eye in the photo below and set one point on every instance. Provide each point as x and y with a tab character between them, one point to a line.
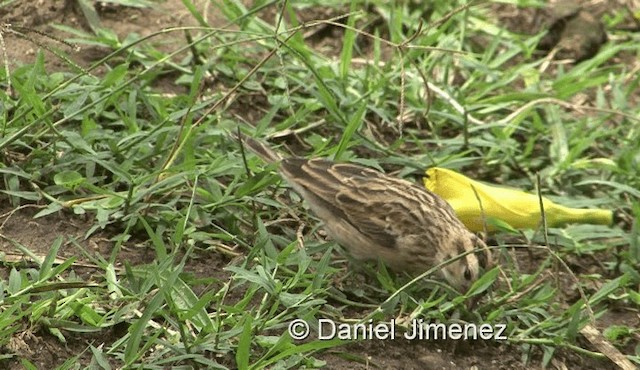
467	274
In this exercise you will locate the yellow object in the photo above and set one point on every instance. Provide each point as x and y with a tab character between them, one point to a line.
515	207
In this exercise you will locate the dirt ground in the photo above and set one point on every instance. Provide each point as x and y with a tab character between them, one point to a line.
38	234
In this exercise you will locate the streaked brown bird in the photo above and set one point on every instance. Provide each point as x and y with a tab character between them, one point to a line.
376	216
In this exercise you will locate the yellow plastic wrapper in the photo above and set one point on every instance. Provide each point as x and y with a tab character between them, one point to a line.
516	208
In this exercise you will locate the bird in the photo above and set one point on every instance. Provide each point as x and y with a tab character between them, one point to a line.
375	216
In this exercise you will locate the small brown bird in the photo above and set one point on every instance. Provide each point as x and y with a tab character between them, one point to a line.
376	216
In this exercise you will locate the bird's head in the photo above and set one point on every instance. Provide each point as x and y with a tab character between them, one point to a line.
465	270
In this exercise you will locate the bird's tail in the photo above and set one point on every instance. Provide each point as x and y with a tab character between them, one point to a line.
262	150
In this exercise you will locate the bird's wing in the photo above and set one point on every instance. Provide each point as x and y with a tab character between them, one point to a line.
378	206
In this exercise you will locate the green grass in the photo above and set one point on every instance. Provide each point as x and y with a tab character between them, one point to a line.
162	171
